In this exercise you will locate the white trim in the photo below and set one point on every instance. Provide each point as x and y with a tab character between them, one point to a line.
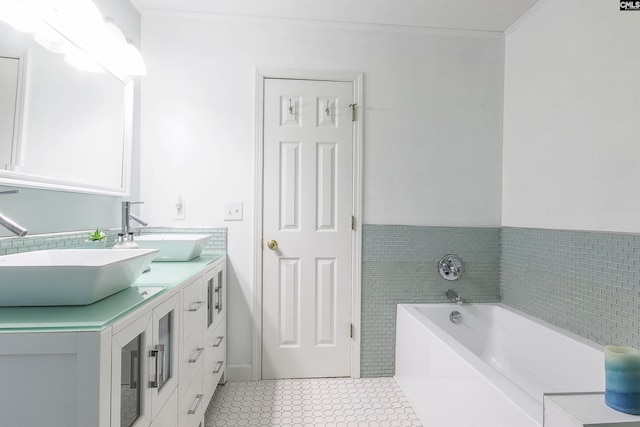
317	23
20	179
526	16
256	359
357	80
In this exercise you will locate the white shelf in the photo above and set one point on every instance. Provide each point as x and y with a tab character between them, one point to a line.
583	410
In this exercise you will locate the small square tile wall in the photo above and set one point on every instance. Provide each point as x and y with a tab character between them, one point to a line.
400	265
76	239
583	281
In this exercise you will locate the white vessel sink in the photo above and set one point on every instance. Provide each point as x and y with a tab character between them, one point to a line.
174	247
69	276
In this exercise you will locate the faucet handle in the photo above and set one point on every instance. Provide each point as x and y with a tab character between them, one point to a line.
126	203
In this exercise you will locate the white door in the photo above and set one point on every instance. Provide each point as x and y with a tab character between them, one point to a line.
308	207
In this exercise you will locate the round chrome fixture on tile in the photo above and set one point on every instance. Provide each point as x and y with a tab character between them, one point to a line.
450	267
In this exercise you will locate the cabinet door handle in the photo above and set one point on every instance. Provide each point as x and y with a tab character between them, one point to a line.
158	353
197	305
198	354
217	344
218	366
219	301
133	369
199	398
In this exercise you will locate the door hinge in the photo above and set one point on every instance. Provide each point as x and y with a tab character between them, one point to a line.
353	111
351	330
353	222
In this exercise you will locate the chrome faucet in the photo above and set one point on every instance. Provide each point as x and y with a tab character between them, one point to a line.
8	223
127	216
454	297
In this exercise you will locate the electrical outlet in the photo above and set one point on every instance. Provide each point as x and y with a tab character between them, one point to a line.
233	211
179	209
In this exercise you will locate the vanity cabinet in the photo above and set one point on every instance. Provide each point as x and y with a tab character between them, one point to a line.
55	379
156	365
215	356
131	400
144	356
194	309
204	354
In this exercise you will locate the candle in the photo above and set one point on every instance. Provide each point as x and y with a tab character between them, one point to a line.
622	375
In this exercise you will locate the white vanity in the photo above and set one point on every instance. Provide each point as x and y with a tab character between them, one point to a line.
150	355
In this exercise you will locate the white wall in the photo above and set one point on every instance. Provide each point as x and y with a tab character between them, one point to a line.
432	135
572	118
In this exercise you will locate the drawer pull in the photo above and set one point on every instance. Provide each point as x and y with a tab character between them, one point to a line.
197	305
199	398
217	344
158	354
198	354
218	367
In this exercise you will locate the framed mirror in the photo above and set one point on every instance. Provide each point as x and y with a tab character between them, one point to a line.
61	128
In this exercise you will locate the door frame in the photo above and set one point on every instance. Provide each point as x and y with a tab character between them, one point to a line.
356	79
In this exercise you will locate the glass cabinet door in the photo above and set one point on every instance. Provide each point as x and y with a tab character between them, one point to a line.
163	353
215	296
130	386
130	402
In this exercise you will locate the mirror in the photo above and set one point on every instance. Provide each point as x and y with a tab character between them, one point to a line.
61	128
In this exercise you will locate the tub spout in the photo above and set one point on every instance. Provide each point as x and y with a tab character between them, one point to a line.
454	297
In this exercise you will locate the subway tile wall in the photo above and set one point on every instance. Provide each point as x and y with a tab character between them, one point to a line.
76	239
400	265
583	281
217	244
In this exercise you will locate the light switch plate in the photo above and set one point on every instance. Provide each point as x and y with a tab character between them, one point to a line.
233	211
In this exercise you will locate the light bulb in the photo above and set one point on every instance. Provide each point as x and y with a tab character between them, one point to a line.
19	16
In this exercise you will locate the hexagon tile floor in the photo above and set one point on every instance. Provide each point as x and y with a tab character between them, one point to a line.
321	402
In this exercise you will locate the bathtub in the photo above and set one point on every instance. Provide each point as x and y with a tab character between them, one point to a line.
490	369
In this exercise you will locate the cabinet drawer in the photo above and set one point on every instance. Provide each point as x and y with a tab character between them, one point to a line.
192	355
194	305
215	361
192	404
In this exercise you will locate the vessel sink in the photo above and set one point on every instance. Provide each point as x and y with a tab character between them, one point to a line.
174	247
69	276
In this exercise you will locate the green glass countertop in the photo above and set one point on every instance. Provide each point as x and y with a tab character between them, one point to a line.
93	317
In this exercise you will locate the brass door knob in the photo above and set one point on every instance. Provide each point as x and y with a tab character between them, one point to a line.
272	244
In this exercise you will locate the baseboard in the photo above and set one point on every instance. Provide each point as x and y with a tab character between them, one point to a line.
239	373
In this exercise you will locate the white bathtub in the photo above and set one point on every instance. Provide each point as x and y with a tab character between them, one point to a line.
492	368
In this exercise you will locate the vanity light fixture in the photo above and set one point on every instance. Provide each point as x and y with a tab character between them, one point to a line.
19	16
83	62
69	26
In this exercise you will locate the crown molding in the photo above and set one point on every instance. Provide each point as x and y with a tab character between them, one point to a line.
541	4
325	24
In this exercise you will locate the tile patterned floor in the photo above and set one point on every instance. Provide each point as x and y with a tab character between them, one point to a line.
326	402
